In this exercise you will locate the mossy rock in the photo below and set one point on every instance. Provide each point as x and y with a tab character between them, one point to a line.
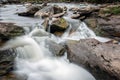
9	30
59	25
115	10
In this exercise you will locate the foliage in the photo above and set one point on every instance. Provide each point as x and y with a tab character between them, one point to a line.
92	1
113	10
98	1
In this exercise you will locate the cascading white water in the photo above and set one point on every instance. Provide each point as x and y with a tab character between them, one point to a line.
32	63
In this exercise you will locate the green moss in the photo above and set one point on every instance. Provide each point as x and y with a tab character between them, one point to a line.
113	10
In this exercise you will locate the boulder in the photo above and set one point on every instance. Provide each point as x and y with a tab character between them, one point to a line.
42	14
46	11
1	5
59	14
7	58
101	59
8	31
46	23
30	12
76	16
50	11
83	13
107	28
58	25
6	61
9	1
58	9
10	76
56	49
91	22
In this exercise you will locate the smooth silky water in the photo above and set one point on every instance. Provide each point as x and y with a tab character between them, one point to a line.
34	61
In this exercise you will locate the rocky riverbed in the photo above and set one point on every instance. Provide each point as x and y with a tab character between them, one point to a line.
101	59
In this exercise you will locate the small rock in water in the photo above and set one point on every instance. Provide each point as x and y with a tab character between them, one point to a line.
56	49
57	26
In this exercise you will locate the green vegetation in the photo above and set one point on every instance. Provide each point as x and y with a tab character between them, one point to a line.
113	10
91	1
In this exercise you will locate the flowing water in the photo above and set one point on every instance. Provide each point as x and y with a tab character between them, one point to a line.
34	61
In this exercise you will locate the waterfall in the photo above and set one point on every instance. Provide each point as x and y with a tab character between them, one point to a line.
32	63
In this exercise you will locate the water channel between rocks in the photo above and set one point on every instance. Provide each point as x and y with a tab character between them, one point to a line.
34	60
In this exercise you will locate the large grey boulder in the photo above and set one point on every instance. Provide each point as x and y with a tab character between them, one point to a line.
102	59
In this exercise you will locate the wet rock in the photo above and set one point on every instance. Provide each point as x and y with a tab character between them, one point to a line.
82	14
9	1
76	16
102	27
10	76
113	41
57	9
6	61
102	59
64	8
9	30
91	22
58	25
44	12
50	11
1	5
86	14
44	4
56	49
30	12
59	14
106	22
32	9
46	23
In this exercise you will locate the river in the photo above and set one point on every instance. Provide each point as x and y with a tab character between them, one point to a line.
34	61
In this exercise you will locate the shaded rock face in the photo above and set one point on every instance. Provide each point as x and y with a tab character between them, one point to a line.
106	21
57	26
10	76
56	49
108	28
102	59
30	12
7	65
9	1
57	9
6	61
32	9
50	11
83	13
44	12
9	30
